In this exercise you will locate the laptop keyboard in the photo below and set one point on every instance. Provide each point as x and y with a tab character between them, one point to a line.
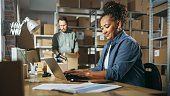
75	77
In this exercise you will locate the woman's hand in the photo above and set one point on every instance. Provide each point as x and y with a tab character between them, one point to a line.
85	73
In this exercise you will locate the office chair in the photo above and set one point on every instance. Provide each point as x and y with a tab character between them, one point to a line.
152	77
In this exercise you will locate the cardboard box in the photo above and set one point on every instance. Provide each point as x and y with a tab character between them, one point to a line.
98	23
159	67
44	42
25	40
101	40
83	59
40	66
12	81
48	29
91	58
165	29
68	3
163	77
160	55
123	2
25	70
145	56
84	22
64	67
145	22
72	60
47	54
141	37
38	32
84	37
32	56
136	24
135	5
72	21
160	7
90	4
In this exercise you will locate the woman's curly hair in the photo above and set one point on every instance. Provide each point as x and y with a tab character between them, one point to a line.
115	10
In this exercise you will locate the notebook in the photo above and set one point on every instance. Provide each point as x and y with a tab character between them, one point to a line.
56	70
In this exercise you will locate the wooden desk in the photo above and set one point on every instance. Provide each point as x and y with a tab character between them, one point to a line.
126	90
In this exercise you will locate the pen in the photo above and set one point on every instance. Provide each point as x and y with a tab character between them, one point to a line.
65	91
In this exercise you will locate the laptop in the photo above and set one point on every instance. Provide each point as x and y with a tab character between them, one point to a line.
56	70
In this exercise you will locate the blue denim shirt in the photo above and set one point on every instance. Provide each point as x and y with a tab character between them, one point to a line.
125	61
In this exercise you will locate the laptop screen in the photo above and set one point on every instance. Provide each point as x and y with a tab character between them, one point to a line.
55	68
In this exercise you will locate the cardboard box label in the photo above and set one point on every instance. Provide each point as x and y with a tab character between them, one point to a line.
101	37
156	52
80	35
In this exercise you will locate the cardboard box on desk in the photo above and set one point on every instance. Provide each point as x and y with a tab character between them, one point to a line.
12	81
25	40
72	60
32	55
64	67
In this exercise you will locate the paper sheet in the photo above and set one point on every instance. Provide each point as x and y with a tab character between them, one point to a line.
73	88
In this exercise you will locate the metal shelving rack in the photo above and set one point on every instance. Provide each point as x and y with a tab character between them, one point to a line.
162	13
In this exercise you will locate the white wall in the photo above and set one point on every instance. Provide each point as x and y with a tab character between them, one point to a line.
45	17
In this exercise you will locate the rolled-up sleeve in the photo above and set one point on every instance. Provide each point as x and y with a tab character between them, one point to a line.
127	54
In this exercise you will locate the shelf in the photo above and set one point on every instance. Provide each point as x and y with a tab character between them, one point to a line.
136	14
160	38
50	36
158	2
45	47
77	27
162	12
77	11
90	46
160	64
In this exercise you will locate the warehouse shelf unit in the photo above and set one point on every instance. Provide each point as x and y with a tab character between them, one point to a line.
36	45
165	12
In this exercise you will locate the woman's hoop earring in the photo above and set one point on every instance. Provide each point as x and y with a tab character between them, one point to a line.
119	29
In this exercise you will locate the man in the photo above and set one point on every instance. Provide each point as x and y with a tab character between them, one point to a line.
64	41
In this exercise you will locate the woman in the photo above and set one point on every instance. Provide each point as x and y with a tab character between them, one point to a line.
121	59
